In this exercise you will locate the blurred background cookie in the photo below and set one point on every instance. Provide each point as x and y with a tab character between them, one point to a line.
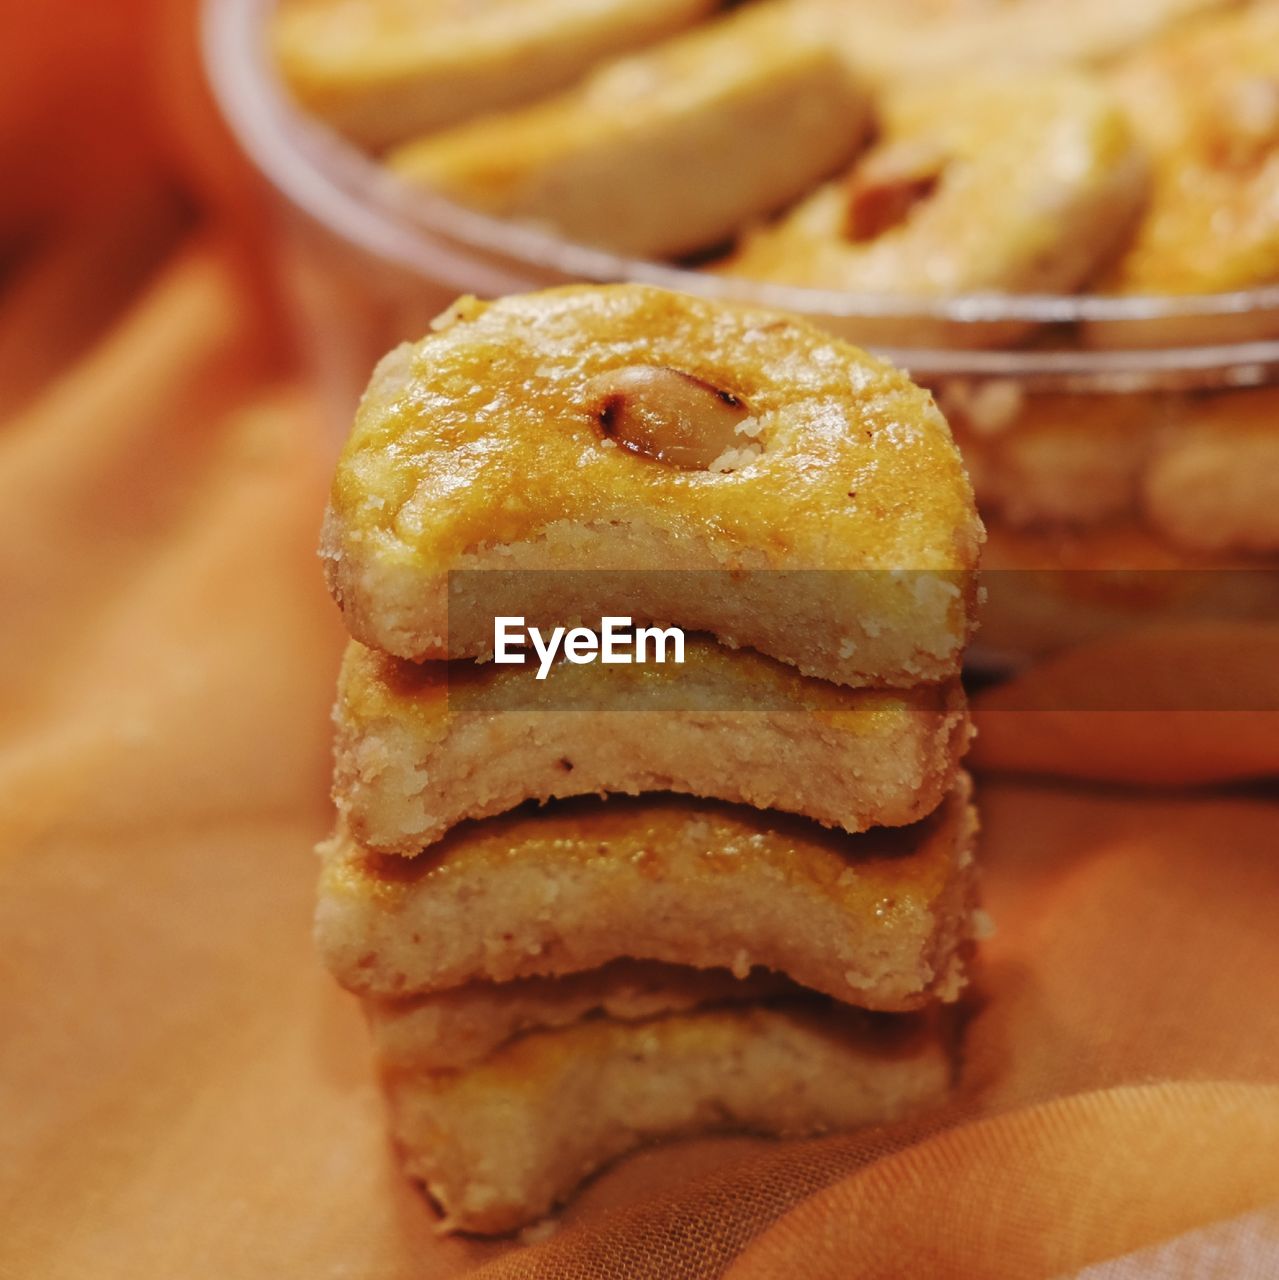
385	70
668	151
980	185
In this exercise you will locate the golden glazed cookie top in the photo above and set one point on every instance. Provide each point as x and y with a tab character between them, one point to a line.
493	430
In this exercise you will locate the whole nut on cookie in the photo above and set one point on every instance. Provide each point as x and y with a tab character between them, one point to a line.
667	414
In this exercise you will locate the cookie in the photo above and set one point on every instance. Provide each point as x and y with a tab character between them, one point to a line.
1199	472
1213	484
667	151
1205	103
422	747
1005	184
722	469
879	919
499	1144
381	71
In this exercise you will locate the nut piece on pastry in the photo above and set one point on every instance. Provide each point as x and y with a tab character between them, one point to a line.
881	919
500	1143
667	151
422	747
669	415
481	448
1008	185
381	71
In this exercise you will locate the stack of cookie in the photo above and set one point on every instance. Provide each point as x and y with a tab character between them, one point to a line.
590	905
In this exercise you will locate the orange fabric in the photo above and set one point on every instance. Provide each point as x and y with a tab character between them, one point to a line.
1146	1180
183	1090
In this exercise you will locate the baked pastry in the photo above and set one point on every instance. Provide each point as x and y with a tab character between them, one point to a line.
549	986
915	41
420	748
1007	184
667	151
879	919
1205	105
1213	485
500	1143
1055	459
1201	472
463	1025
384	70
619	428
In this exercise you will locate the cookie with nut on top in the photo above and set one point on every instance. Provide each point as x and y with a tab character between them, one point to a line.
691	463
